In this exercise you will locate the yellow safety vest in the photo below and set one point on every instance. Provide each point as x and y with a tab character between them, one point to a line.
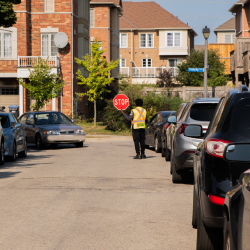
139	118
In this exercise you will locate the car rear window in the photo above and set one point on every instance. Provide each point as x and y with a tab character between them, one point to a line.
241	117
202	111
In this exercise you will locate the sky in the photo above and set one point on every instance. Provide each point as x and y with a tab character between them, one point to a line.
198	14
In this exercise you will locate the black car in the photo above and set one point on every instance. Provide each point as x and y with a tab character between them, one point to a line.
164	135
153	130
169	132
236	209
213	176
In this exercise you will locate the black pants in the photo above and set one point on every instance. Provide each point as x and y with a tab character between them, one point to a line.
139	140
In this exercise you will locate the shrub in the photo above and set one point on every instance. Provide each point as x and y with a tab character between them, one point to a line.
114	120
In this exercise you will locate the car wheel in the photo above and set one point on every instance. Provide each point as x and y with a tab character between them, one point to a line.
176	175
39	143
227	237
167	153
163	152
157	148
13	157
2	153
79	144
23	153
208	238
195	209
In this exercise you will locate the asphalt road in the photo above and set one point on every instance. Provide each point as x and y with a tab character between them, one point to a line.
93	198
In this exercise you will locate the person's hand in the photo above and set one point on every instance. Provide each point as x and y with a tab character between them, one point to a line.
122	110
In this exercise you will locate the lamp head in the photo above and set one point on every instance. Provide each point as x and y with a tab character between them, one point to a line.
206	32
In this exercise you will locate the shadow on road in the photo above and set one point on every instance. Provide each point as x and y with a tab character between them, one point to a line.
7	174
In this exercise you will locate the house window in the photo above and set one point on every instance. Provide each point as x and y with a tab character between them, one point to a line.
146	40
92	18
5	45
122	62
124	40
146	62
48	46
229	38
174	62
173	39
49	5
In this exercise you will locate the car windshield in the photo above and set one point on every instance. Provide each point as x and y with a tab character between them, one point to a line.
202	111
51	118
5	122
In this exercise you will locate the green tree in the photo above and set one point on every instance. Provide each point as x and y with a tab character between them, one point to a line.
215	72
42	85
7	14
99	74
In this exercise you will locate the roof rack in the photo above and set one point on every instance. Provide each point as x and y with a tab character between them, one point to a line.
243	88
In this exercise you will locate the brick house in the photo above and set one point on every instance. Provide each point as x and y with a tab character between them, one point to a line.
152	38
38	21
104	26
239	57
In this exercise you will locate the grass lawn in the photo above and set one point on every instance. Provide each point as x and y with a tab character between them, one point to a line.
88	128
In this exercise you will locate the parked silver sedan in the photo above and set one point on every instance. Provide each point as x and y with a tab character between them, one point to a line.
51	127
14	136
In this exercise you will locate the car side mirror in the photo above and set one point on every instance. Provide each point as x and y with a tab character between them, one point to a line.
237	152
160	123
13	125
29	122
18	125
193	131
172	119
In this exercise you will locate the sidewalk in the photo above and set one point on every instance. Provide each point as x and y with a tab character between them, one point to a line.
108	137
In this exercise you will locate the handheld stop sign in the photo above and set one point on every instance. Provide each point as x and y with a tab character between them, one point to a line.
121	101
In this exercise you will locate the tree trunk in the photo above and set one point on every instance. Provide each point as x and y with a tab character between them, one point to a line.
95	113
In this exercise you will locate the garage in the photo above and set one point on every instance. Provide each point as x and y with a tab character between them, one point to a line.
9	92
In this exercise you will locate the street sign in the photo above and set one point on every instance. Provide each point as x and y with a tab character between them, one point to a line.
121	101
195	70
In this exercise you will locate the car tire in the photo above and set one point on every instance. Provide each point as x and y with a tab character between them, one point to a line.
167	153
79	144
23	153
39	143
208	238
163	152
157	148
2	153
195	209
226	245
13	157
176	175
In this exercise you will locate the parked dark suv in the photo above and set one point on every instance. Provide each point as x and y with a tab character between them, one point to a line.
213	176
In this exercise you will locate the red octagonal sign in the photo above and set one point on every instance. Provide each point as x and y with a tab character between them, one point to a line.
121	101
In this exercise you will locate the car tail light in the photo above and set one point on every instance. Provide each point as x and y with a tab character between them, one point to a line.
216	199
182	128
189	152
216	147
167	126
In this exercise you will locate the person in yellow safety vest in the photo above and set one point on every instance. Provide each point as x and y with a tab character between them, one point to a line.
138	119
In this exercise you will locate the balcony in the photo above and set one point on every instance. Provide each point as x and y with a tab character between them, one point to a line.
27	62
152	72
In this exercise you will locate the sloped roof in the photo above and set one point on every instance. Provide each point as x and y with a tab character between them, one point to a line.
228	25
117	3
148	15
237	5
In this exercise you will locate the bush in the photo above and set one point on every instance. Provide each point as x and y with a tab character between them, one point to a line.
114	120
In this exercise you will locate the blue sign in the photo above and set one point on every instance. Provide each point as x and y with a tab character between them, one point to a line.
195	70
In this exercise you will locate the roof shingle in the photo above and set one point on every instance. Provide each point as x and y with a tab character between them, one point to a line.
148	15
228	25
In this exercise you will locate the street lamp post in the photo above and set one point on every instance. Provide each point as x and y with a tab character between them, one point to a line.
206	32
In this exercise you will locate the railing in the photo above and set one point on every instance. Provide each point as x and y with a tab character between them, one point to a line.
124	71
30	61
152	72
